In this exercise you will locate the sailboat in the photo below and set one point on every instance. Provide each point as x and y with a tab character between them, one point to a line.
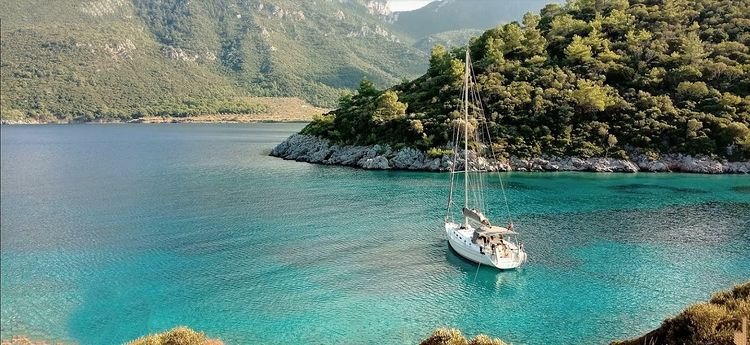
474	237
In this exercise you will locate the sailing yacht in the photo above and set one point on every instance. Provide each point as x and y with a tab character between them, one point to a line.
474	237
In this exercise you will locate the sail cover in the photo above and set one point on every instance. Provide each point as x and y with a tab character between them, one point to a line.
496	230
476	215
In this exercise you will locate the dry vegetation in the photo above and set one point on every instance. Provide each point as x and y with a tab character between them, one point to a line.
176	336
714	322
452	336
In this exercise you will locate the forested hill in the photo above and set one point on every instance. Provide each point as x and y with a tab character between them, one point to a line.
82	60
120	59
590	78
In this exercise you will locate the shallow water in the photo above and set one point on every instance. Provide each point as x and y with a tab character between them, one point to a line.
111	232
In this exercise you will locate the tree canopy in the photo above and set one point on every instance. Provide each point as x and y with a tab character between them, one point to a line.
590	78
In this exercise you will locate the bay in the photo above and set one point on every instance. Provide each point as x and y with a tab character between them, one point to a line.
112	232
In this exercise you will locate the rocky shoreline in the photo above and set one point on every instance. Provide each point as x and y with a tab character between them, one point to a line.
171	119
311	149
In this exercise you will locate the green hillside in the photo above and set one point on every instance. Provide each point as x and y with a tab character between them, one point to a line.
591	78
74	60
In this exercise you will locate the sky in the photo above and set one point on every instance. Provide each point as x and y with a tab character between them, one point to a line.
407	5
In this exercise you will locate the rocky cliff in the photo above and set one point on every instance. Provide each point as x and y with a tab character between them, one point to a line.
312	149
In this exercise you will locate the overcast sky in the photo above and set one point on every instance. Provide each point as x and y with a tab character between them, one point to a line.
407	5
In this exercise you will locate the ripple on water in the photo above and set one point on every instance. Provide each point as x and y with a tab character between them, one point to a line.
195	225
649	188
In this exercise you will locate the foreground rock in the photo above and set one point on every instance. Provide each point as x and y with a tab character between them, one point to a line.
307	148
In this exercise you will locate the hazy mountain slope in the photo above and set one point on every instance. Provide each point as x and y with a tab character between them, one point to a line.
120	58
449	15
453	38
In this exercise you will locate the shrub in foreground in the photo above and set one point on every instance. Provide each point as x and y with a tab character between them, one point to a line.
705	323
176	336
452	336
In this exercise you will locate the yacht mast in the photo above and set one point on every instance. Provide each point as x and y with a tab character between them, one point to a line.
466	135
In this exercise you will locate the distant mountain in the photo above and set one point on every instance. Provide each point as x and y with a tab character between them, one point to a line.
449	15
83	60
103	59
453	38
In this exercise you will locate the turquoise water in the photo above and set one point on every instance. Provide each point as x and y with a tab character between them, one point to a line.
111	232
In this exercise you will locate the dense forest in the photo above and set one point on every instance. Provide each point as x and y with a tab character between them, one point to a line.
588	78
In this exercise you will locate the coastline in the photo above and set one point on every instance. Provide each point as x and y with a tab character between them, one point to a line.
312	149
279	109
207	119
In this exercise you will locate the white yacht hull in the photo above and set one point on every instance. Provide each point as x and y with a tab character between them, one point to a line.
460	239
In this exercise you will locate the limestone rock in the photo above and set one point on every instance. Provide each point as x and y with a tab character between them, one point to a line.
376	163
346	155
307	148
408	158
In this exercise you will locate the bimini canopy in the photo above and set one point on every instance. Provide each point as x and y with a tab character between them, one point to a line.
476	215
495	230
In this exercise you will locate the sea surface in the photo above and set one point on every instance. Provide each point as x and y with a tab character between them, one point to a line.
110	232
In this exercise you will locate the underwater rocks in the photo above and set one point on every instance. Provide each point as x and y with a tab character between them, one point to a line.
312	149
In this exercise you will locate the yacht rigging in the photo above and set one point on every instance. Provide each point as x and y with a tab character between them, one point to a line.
475	237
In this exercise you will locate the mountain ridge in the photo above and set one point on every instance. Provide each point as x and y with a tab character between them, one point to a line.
449	15
199	57
114	60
